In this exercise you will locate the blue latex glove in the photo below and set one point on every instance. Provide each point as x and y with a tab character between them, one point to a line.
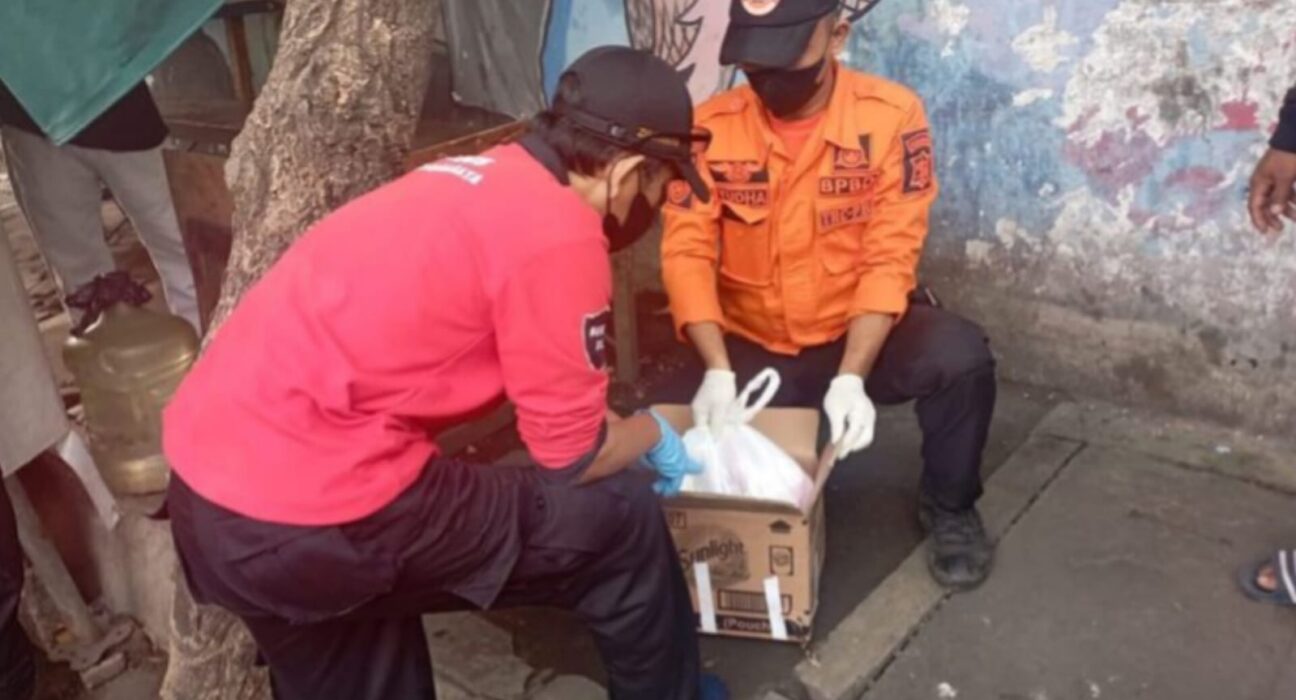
669	459
713	688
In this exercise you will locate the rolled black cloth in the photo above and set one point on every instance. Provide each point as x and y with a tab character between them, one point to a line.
102	292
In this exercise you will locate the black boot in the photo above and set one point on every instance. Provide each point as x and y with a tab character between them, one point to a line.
960	554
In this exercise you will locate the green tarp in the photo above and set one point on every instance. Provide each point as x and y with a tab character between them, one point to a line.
69	60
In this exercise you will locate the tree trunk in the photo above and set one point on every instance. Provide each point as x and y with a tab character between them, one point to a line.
334	120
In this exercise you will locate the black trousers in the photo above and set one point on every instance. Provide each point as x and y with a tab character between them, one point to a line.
335	610
17	663
933	357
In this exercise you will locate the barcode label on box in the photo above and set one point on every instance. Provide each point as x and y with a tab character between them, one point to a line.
748	602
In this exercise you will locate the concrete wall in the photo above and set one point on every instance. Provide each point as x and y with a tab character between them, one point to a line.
1094	156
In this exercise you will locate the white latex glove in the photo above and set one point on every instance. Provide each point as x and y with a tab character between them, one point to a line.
851	415
714	399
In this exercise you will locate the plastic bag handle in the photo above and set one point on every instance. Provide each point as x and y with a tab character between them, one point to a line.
744	407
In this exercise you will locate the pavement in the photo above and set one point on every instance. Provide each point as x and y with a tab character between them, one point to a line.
1119	534
1116	579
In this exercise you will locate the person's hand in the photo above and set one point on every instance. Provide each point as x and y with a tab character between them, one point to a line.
669	459
1271	191
714	399
851	415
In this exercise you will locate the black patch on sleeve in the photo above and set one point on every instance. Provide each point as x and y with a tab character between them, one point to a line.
594	334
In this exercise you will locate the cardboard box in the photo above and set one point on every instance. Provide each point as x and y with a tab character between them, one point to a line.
755	551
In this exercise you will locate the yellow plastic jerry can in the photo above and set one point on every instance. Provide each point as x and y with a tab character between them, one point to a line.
128	364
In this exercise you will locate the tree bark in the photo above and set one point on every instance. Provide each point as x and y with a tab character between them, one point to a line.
334	120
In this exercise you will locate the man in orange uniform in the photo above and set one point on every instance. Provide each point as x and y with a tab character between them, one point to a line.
805	261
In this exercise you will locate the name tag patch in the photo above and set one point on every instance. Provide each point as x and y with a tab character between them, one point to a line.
757	197
833	218
844	185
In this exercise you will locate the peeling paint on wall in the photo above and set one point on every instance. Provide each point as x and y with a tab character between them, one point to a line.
1044	47
950	16
1031	96
1103	239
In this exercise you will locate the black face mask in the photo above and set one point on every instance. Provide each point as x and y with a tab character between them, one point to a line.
783	92
638	221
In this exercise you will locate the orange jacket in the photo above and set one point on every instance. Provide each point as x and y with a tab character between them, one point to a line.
787	253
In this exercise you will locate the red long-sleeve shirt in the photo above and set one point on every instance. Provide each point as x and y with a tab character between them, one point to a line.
407	309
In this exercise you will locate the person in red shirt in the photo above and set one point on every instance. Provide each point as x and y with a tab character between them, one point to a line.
309	496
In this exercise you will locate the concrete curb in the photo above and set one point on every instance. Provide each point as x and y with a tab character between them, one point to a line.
863	645
1264	461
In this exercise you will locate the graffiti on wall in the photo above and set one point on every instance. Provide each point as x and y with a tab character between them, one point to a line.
685	33
1108	132
1111	139
1122	97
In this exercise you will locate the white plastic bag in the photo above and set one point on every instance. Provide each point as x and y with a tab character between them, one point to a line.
741	461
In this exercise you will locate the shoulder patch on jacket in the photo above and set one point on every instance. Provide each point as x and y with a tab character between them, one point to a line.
918	166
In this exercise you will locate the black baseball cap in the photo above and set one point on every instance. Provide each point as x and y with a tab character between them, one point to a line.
772	33
637	101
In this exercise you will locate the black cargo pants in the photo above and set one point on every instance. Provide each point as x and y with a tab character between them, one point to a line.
933	357
335	610
17	663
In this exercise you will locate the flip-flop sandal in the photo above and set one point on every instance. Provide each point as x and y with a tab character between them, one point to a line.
1284	565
